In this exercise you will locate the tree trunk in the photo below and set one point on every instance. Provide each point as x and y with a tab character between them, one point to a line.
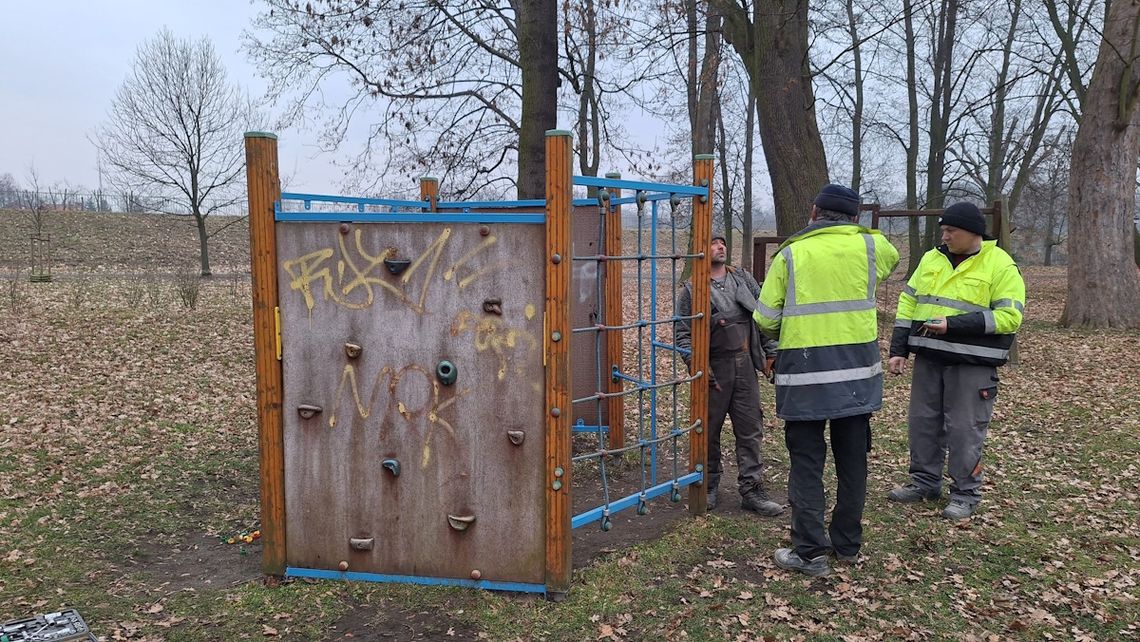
725	191
1104	281
746	257
203	243
857	111
940	105
914	240
702	90
773	45
538	59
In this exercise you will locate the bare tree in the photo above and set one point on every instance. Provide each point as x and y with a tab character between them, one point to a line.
175	128
771	38
1104	281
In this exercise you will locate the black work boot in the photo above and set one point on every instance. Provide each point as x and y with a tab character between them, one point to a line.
757	501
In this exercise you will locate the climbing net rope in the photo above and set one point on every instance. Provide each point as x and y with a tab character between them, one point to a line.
653	383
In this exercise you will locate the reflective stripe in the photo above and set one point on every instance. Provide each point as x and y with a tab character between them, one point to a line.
768	313
826	307
872	271
790	296
959	348
991	324
950	303
908	290
829	376
902	323
1007	303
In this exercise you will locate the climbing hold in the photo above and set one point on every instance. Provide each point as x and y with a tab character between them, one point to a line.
392	465
460	522
493	305
343	566
352	350
476	574
396	266
361	543
516	437
308	411
446	372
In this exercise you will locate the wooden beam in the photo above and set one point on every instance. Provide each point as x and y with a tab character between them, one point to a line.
264	189
429	191
556	357
699	389
613	315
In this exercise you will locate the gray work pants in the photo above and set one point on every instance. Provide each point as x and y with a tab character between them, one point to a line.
950	410
739	398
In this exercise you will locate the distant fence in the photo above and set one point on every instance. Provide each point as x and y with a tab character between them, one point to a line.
123	202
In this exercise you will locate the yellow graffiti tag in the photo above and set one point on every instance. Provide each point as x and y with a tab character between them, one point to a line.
492	334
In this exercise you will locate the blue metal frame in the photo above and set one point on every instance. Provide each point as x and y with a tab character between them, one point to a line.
641	186
412	217
601	512
582	426
316	573
360	201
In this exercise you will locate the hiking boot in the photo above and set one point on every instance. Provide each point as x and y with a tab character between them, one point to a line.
958	509
788	560
757	501
911	494
846	559
712	498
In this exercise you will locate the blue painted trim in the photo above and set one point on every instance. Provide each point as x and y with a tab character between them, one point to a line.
581	426
534	202
654	221
356	200
596	514
669	188
316	573
413	217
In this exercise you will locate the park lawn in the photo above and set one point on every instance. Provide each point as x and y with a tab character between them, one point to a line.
128	453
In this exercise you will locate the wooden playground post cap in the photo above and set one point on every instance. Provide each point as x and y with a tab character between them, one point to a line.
261	135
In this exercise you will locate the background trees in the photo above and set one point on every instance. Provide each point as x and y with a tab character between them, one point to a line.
175	128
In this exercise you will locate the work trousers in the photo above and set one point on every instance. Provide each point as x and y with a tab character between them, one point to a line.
739	398
808	452
950	410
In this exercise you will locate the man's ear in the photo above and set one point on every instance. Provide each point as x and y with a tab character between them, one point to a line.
814	211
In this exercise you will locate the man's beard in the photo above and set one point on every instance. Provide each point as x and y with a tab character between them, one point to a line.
718	260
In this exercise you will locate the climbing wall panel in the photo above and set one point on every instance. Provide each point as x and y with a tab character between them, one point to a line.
390	466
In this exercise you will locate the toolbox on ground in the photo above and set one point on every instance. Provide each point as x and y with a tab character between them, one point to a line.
62	626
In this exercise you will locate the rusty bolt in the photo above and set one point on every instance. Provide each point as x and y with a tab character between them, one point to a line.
484	230
476	574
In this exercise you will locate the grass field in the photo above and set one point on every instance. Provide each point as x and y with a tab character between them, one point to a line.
128	454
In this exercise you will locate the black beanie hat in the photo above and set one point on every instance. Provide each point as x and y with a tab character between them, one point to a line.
964	216
838	198
720	236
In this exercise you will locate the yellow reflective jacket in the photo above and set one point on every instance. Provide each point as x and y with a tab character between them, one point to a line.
982	300
819	300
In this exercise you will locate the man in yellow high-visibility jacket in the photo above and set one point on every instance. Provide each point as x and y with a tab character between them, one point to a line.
819	300
958	313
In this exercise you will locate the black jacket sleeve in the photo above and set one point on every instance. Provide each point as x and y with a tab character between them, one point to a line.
899	347
969	323
682	330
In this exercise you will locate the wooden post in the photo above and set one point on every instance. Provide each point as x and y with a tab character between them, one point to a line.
615	406
429	191
699	389
556	351
264	189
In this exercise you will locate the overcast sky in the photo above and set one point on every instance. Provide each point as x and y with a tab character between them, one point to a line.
61	63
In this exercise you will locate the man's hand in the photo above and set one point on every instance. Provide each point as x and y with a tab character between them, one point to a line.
897	365
770	369
934	326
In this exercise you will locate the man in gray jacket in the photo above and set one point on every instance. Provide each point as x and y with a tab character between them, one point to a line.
737	351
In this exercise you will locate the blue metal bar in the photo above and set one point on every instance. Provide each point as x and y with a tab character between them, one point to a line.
618	374
636	257
625	200
641	444
642	387
534	202
316	573
356	200
594	181
641	323
653	341
581	426
413	217
596	514
669	346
